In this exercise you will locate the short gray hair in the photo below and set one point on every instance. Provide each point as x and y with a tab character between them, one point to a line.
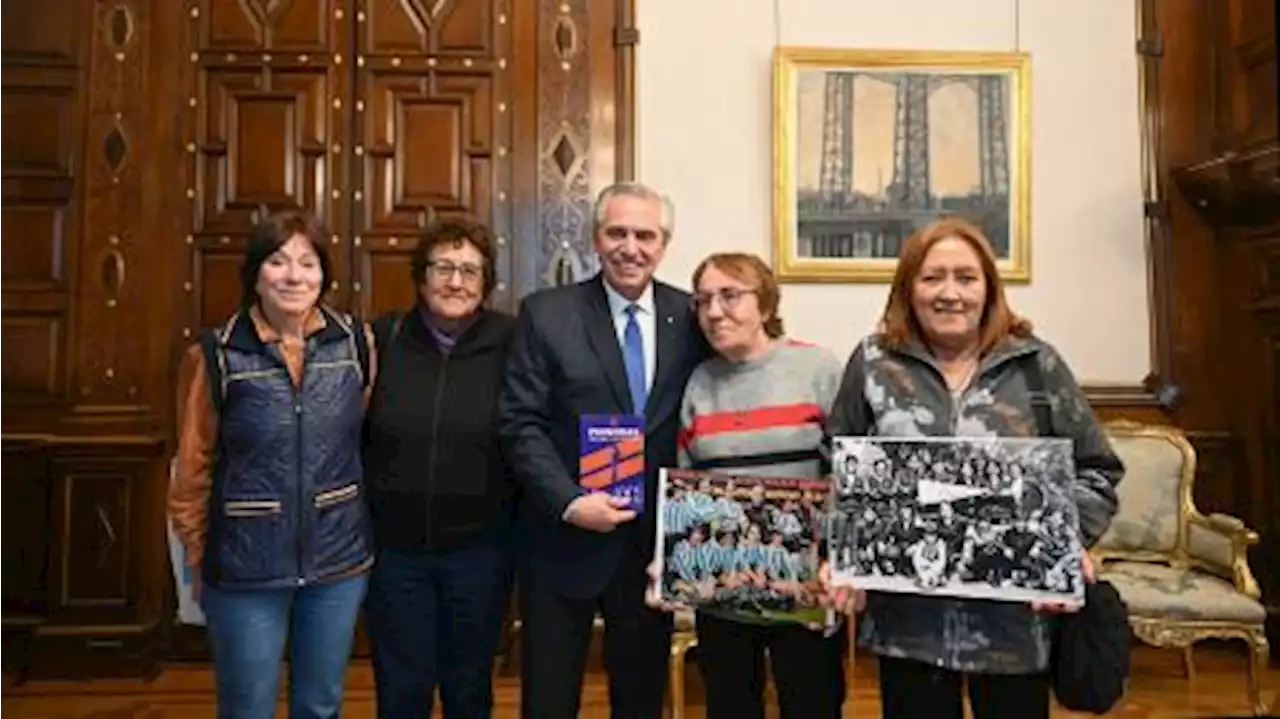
666	216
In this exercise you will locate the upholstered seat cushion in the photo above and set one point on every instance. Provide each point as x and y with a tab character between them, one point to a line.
1158	591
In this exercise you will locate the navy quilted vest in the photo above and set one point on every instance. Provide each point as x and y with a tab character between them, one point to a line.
287	506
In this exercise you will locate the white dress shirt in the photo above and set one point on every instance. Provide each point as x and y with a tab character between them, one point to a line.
646	317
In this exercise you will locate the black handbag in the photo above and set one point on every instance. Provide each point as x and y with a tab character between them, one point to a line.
1089	660
1089	665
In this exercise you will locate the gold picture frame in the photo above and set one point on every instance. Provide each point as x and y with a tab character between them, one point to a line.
853	178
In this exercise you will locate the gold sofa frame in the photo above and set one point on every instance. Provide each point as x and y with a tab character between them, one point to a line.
1184	634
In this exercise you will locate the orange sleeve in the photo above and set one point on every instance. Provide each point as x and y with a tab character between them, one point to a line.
373	362
192	480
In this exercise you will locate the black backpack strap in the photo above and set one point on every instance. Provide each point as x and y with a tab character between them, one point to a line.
1040	406
213	364
362	349
385	331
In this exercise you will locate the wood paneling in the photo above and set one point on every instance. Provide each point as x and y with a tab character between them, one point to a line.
26	539
434	136
41	182
141	140
266	129
1214	163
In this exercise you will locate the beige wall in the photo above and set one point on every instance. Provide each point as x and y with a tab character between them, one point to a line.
704	134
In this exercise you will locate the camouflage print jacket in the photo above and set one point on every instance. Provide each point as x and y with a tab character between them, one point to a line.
902	394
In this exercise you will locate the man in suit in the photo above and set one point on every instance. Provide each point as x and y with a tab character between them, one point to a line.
619	343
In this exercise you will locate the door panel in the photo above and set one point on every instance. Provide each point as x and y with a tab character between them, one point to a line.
299	25
269	112
435	123
381	115
43	99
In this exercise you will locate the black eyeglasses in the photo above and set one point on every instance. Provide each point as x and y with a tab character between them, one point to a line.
444	270
729	298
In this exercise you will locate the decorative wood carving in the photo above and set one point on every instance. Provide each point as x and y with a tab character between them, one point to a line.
144	138
111	324
94	505
433	110
266	128
434	136
1238	189
565	149
44	100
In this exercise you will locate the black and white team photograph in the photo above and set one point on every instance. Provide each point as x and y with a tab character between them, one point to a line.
976	518
741	543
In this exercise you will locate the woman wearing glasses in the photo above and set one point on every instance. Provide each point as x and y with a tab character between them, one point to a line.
759	408
439	492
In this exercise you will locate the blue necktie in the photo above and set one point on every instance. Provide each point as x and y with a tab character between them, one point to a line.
633	354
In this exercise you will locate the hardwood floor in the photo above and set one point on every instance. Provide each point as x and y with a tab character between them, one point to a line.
1159	690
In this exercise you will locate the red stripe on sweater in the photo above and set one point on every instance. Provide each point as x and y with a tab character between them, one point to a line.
753	420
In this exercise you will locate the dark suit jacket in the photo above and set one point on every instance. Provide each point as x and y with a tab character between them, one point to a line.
565	362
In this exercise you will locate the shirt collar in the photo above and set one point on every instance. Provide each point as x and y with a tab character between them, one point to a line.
618	304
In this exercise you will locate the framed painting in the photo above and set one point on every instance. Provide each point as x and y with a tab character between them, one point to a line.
871	145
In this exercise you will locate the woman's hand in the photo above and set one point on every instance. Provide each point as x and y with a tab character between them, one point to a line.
653	595
845	600
1090	576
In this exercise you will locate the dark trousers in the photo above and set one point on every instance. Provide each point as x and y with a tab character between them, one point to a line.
435	619
914	690
808	669
556	632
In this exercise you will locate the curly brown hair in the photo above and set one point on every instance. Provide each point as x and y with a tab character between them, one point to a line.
453	233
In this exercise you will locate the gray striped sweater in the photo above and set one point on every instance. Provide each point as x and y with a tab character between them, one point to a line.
761	417
764	416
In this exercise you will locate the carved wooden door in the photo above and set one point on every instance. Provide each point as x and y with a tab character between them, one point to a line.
379	115
269	113
434	126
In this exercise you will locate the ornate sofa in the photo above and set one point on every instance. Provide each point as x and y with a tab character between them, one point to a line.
1184	576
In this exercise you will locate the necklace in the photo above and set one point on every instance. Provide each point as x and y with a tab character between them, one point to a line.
958	387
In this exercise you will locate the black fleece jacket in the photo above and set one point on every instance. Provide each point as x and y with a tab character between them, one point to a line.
432	462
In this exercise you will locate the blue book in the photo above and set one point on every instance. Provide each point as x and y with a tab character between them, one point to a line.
611	456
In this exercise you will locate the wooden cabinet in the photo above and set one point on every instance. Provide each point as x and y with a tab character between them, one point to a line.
82	596
142	138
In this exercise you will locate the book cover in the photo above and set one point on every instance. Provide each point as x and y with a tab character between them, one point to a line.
741	544
611	457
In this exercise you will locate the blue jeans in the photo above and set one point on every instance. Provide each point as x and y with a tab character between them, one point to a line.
247	631
435	619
